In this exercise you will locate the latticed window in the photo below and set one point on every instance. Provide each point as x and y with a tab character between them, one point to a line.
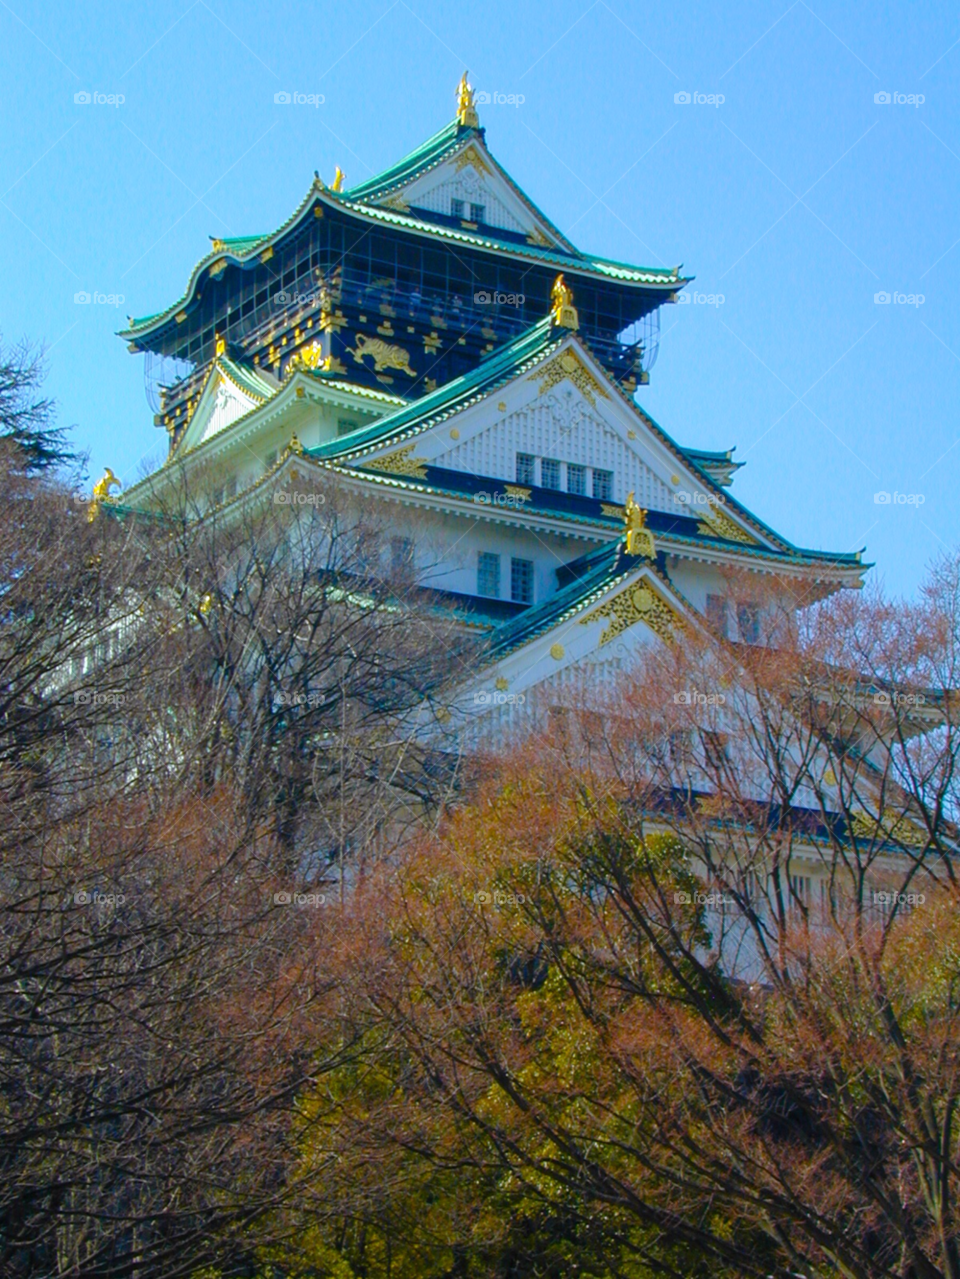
526	469
488	574
748	623
478	213
401	553
521	581
717	613
576	479
456	208
602	485
550	473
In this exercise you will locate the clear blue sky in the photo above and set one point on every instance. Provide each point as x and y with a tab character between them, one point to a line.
797	199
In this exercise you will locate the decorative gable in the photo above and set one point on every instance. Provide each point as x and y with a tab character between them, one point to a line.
222	401
561	424
472	178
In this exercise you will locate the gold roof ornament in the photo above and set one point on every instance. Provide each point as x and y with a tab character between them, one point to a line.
221	345
466	110
561	301
294	446
101	493
338	180
639	539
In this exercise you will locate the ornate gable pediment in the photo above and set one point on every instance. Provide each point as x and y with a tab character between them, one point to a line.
472	178
221	403
563	422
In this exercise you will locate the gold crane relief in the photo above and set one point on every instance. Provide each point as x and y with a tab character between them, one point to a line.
385	355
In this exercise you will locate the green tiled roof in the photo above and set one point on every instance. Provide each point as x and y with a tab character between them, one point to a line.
417	162
247	379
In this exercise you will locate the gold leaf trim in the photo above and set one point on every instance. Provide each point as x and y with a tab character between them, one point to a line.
636	603
716	524
399	463
569	366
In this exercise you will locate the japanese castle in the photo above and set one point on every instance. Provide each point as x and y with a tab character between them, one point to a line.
431	339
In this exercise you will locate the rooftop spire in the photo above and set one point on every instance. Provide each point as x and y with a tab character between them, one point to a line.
563	312
466	111
338	180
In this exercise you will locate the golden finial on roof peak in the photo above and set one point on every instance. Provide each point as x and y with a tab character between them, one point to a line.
466	109
338	180
221	345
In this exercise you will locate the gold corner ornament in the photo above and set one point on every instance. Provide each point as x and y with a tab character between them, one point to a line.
466	110
101	494
294	447
563	311
338	179
220	347
639	539
637	603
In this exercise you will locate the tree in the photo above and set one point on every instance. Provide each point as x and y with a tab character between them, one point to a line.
688	965
167	931
26	415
